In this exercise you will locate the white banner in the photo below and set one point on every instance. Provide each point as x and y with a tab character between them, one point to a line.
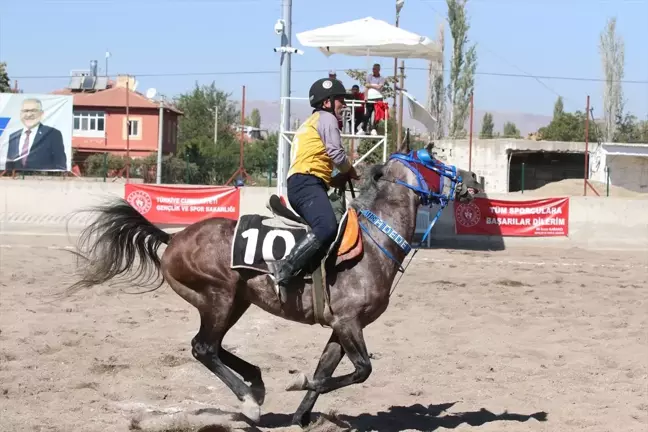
35	132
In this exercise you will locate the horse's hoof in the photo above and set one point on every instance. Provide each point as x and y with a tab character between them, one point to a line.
251	409
259	392
299	383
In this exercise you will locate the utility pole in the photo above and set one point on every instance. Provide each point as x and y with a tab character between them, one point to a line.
158	176
283	27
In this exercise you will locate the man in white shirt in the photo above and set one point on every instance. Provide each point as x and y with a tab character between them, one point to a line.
374	86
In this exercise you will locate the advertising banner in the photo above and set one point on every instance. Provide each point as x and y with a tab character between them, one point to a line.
183	205
35	132
547	217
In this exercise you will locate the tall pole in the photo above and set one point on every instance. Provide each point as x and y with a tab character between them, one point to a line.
587	114
283	160
399	129
472	106
158	176
128	129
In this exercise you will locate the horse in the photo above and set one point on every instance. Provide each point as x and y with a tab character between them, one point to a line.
197	264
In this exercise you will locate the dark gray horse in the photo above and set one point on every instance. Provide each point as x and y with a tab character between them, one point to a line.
196	264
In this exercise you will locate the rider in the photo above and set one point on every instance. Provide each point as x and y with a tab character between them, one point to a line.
316	149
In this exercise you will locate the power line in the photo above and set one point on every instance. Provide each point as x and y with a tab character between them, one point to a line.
269	72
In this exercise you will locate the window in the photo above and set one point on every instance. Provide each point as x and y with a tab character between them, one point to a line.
133	129
89	121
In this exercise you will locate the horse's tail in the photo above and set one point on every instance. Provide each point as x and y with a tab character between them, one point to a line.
123	236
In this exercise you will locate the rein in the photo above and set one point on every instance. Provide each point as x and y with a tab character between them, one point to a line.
426	194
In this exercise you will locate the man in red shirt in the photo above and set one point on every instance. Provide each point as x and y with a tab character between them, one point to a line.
359	109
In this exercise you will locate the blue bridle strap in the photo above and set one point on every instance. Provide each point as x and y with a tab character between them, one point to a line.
428	198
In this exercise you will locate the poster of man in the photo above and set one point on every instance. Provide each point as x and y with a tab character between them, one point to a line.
35	132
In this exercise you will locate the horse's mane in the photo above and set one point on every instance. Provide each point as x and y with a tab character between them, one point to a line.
368	191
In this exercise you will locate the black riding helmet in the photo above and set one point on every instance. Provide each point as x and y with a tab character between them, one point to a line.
323	89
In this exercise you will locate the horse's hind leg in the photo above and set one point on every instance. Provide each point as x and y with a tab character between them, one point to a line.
330	359
214	323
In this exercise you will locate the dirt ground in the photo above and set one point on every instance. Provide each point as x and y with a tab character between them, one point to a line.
519	340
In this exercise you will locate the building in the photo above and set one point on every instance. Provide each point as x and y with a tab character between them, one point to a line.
500	162
103	110
625	164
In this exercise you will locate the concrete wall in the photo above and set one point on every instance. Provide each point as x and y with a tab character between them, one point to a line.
36	205
490	159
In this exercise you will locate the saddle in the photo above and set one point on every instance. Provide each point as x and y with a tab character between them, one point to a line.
348	242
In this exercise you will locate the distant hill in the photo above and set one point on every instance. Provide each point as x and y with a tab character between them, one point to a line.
525	122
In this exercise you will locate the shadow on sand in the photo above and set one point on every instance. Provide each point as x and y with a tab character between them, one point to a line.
416	417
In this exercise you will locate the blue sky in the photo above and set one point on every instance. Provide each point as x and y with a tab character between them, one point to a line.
540	37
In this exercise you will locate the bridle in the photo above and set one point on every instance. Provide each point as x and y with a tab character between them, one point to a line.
428	197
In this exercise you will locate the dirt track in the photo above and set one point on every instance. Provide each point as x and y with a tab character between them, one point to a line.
468	336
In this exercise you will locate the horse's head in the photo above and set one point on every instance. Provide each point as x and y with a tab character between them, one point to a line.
435	182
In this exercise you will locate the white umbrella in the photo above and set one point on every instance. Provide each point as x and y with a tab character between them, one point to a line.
369	36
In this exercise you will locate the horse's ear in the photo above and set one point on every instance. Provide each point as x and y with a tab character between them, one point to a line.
405	144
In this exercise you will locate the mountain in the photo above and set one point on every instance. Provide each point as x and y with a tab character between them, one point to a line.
525	122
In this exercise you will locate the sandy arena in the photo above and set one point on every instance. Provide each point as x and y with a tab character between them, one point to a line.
519	340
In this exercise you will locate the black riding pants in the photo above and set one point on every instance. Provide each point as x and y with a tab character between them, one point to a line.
307	196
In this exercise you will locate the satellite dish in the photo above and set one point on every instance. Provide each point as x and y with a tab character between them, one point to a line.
150	93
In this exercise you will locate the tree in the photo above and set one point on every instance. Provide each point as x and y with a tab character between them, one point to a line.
612	50
559	108
568	127
510	130
436	91
216	163
462	68
254	119
629	130
487	127
5	84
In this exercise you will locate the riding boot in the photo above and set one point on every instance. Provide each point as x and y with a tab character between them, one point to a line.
299	256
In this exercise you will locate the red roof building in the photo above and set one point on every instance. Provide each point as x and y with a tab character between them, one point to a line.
101	121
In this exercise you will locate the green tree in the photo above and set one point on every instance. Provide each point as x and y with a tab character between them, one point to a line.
612	51
630	130
254	119
5	84
510	130
559	108
215	162
568	127
487	127
463	65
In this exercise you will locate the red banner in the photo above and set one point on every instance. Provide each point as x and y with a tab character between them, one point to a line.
183	205
533	218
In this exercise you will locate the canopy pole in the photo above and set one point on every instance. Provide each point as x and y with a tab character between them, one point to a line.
399	134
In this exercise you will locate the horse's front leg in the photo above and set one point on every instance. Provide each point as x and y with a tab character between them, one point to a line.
329	360
352	340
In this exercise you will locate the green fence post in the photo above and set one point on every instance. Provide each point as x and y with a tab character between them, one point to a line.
607	182
105	166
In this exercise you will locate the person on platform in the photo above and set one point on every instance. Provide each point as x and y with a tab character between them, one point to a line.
315	151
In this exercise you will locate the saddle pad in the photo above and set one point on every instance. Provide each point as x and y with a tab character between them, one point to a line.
260	241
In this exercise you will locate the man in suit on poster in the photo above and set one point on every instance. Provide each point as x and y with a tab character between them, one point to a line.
35	147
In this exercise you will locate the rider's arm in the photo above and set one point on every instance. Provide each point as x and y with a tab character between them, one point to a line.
329	131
